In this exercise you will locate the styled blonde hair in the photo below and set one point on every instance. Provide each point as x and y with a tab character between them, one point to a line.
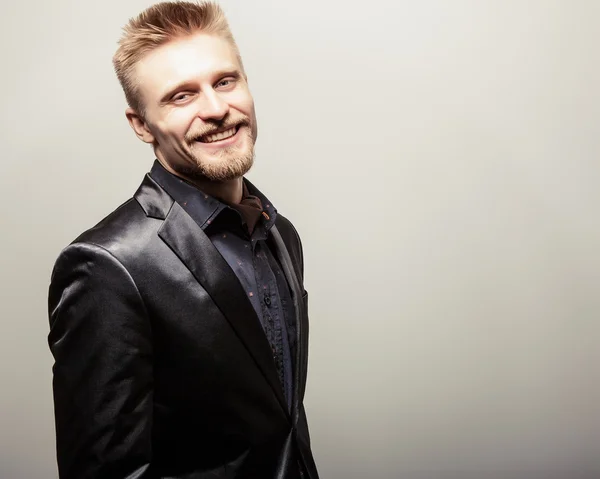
158	25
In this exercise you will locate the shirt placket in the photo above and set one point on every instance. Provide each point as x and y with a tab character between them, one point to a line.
271	319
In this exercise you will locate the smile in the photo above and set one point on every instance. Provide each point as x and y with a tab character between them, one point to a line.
219	136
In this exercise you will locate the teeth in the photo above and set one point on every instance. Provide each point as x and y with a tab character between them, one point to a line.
219	136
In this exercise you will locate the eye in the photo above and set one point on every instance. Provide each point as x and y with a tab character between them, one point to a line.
181	97
226	83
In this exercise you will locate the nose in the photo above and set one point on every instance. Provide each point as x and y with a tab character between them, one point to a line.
212	106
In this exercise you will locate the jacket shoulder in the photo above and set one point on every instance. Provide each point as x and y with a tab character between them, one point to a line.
291	238
125	221
125	233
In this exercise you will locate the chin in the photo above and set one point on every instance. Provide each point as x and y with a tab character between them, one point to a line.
220	169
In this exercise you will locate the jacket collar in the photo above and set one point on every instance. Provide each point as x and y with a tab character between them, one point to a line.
153	199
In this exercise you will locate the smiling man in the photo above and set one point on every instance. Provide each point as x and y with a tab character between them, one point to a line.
179	323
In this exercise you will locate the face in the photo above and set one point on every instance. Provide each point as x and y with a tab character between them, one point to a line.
199	111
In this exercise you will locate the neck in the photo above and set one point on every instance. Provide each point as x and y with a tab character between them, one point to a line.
229	191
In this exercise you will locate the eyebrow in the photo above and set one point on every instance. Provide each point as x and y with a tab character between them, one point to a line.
191	83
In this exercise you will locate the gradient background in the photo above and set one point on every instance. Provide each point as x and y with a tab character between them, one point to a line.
441	160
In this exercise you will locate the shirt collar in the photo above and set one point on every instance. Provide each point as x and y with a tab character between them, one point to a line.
202	207
269	211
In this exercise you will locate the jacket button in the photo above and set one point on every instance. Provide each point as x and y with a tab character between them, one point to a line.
267	300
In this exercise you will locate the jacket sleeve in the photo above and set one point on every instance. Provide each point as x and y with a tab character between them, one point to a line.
100	338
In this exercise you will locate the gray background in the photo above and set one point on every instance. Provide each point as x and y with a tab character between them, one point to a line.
441	162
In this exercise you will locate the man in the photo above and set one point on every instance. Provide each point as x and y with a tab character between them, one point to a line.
179	322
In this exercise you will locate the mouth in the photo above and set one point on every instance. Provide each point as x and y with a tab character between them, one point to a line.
219	135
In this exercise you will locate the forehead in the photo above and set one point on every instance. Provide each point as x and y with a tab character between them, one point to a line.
192	58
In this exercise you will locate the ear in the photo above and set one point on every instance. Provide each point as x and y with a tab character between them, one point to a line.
139	126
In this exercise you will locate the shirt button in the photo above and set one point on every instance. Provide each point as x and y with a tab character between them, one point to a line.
268	300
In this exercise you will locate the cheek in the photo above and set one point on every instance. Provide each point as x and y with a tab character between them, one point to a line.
177	125
243	102
251	113
254	124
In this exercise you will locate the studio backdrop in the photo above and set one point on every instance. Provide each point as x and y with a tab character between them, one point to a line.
441	161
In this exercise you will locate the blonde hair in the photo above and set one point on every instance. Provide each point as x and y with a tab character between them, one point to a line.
158	25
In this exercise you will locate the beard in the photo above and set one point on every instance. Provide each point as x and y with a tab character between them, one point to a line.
224	164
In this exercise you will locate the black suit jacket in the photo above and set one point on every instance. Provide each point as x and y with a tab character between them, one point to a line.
162	369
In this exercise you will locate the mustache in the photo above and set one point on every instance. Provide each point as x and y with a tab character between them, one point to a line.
214	126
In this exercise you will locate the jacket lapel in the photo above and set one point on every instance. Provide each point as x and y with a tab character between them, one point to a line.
181	233
300	315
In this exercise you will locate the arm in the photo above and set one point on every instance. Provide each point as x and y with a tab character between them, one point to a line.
100	338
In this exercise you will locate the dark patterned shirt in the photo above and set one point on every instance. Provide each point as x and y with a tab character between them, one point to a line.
240	232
